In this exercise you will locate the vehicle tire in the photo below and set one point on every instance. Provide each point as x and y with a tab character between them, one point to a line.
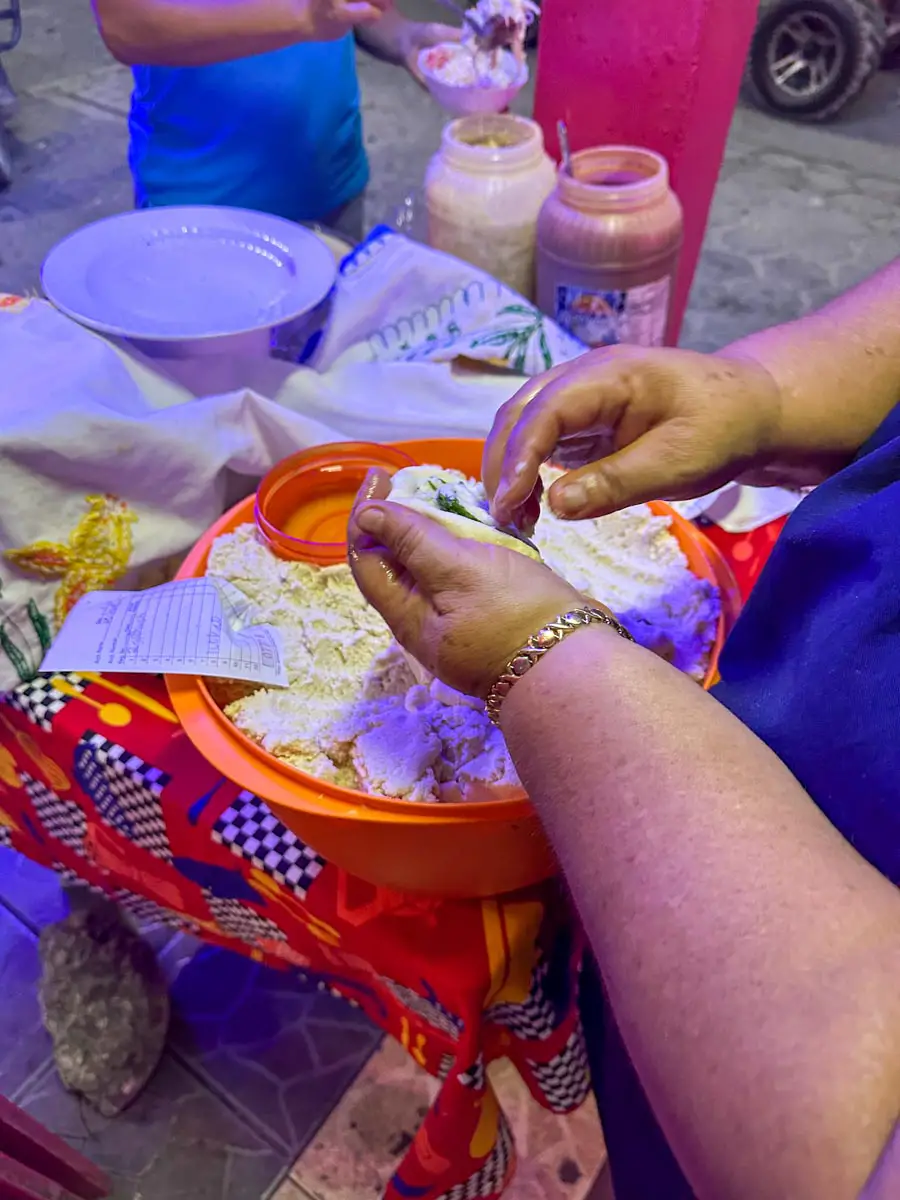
533	32
891	58
6	171
810	58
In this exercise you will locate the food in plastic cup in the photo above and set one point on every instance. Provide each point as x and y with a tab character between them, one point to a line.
451	76
303	504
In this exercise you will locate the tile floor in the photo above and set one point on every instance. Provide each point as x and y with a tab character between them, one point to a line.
269	1090
362	1142
256	1062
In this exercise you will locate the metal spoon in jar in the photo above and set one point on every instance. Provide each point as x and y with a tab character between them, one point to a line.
562	132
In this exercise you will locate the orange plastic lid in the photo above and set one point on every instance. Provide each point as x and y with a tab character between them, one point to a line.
303	504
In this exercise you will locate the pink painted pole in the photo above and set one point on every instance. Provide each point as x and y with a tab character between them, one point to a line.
657	73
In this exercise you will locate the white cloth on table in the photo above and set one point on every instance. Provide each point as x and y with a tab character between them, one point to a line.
739	509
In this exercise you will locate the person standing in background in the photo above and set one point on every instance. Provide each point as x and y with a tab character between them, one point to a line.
255	103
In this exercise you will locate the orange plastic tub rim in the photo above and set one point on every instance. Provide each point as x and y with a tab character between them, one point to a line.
304	503
479	848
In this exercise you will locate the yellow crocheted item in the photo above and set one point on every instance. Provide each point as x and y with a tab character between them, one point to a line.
97	553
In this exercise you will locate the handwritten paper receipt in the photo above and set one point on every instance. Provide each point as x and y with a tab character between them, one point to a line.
190	627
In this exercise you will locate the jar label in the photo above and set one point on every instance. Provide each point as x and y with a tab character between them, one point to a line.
633	317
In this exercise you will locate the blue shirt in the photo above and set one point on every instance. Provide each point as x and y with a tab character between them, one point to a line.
280	132
813	668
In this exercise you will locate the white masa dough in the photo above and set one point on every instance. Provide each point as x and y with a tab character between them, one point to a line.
353	713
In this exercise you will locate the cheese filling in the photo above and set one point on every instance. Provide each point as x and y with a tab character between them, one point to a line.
454	499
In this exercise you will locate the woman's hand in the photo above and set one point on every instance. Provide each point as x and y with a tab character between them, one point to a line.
461	608
400	40
629	425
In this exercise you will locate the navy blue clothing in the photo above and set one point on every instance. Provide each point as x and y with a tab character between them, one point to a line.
813	668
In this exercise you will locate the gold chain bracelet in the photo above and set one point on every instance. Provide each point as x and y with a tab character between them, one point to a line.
538	644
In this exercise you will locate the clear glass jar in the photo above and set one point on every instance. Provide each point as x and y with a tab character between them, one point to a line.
483	192
608	238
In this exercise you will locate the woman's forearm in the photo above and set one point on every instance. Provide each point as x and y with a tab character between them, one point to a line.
838	371
750	955
188	33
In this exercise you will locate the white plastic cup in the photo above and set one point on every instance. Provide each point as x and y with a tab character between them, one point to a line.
468	99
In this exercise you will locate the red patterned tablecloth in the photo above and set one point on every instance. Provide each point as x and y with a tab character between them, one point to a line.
746	553
105	788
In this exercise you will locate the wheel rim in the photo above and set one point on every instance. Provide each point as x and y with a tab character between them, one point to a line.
805	56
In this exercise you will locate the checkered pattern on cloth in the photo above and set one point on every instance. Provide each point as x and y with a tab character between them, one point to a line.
251	830
535	1018
71	879
61	819
474	1077
40	701
125	790
426	1007
144	910
566	1080
5	836
489	1179
446	1066
147	912
240	921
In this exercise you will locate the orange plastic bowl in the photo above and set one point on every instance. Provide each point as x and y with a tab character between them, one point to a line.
479	848
303	504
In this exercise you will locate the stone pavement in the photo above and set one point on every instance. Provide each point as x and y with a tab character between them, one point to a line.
799	214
